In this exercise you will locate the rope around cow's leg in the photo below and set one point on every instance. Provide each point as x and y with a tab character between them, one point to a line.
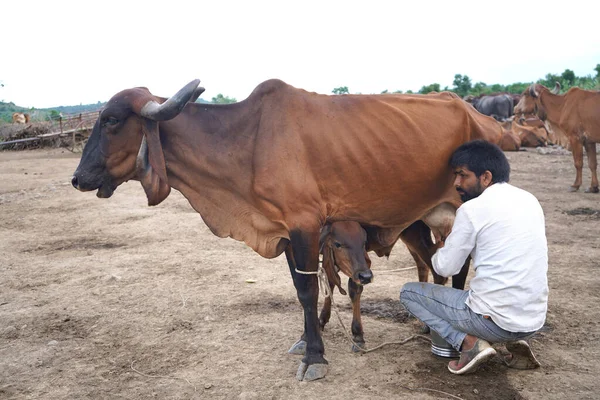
324	286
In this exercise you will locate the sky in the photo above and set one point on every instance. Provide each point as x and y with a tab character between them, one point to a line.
81	52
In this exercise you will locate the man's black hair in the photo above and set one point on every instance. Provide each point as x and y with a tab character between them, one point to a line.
480	156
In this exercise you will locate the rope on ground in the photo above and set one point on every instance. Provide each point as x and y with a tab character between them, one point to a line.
325	289
432	390
162	376
386	271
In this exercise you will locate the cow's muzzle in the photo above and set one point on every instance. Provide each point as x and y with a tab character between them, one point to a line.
365	277
105	189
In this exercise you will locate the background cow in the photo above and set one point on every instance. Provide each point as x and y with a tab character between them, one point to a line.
20	118
500	107
575	115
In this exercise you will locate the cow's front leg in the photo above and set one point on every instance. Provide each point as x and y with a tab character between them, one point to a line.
355	291
303	255
590	149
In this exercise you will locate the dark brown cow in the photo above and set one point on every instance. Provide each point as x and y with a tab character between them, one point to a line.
272	169
574	114
344	247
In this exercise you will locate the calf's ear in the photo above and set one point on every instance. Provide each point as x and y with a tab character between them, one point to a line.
329	267
150	164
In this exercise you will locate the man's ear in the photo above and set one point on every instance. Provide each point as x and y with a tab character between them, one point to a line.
486	178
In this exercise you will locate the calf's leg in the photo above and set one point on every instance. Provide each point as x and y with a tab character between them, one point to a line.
355	291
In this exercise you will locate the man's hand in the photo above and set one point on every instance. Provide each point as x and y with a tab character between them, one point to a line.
441	233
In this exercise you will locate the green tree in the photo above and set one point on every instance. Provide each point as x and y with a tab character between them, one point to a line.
517	88
568	77
549	80
341	90
434	87
220	99
479	88
462	85
597	69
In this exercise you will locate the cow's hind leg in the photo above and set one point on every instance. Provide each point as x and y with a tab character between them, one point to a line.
590	148
459	280
577	149
417	238
303	254
355	291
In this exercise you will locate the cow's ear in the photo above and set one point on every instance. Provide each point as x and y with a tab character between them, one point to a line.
151	168
329	267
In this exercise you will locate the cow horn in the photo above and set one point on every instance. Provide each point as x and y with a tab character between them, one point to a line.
532	91
173	106
556	89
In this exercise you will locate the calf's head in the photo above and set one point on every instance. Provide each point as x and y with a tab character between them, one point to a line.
125	143
343	244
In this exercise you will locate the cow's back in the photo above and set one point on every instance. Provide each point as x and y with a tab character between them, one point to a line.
377	159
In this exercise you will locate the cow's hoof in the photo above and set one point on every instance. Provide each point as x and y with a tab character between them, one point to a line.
592	189
573	188
311	372
357	346
298	348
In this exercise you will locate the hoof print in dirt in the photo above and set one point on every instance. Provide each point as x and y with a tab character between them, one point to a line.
311	372
298	348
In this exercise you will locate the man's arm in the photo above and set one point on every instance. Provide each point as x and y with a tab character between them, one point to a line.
448	260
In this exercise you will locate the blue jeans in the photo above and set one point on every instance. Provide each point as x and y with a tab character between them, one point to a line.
444	310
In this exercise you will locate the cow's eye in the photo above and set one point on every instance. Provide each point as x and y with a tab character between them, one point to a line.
110	121
337	244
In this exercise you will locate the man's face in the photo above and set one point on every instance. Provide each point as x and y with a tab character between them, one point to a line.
467	184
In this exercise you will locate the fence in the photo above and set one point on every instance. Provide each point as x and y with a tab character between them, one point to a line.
74	124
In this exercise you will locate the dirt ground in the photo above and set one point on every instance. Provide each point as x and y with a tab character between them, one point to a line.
111	299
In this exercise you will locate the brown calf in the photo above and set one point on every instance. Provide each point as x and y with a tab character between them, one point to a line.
344	248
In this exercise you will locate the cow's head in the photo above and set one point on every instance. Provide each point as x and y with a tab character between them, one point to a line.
125	143
343	245
530	102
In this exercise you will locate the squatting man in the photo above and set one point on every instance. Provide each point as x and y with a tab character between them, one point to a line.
502	228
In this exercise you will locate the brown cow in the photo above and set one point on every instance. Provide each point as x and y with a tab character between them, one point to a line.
530	136
555	138
344	247
509	141
273	168
20	118
574	114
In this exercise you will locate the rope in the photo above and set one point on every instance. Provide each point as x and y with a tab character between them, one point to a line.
325	289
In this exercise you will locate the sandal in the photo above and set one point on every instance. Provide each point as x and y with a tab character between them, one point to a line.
521	356
469	360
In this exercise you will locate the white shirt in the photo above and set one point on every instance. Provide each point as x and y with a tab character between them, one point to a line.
504	231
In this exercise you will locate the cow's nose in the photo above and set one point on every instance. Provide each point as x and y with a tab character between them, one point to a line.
74	182
365	277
